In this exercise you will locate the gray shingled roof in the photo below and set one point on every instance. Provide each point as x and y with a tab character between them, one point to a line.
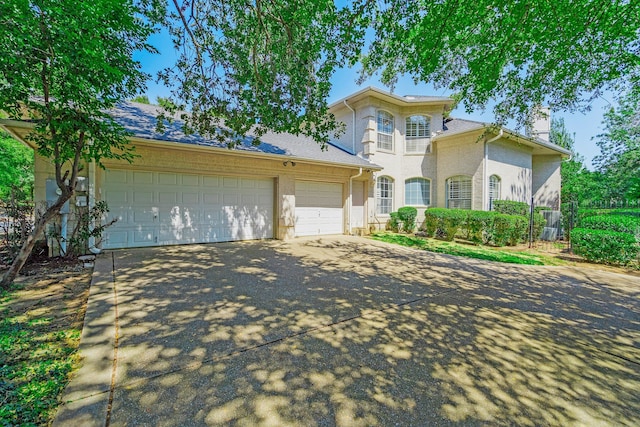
454	126
140	120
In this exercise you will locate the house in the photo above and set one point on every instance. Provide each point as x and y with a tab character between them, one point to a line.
396	151
187	189
430	160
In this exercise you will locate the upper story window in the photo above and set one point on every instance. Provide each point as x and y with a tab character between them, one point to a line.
385	130
384	195
417	192
458	191
417	134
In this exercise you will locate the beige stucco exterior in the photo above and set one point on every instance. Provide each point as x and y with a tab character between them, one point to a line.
183	158
526	167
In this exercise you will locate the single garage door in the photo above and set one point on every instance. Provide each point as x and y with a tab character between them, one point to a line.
164	208
318	208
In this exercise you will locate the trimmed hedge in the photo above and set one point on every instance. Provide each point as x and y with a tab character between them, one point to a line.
620	223
604	246
480	226
407	215
510	207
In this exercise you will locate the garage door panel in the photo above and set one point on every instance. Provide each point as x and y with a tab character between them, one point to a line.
190	198
143	196
161	208
141	178
318	208
167	179
211	199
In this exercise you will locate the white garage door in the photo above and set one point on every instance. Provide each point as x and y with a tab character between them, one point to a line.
318	208
163	208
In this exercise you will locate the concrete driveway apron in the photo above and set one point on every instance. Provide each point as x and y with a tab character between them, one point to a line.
348	331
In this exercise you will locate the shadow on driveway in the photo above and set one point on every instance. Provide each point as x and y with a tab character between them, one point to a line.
349	331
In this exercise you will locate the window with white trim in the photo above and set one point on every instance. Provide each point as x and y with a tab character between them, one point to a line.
494	189
385	130
417	192
458	190
384	195
417	135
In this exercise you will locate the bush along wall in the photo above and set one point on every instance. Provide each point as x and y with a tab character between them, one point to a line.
510	207
480	227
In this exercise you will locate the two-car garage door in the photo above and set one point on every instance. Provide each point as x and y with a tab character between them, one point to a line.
156	208
164	208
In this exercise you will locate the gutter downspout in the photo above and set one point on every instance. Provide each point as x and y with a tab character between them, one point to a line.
349	207
485	179
353	124
92	202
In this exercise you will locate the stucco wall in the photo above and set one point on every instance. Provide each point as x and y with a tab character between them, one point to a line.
460	156
397	165
546	181
201	160
512	163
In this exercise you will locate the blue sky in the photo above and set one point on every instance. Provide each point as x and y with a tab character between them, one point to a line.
585	127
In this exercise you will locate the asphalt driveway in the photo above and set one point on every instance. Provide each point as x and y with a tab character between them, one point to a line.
352	332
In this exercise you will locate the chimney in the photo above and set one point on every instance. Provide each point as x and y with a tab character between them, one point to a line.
540	126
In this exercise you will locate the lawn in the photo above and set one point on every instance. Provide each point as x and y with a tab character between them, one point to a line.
40	330
508	255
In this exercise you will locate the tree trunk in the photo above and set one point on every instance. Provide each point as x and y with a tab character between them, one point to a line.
28	245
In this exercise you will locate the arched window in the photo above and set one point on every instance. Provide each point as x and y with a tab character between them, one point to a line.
385	130
417	134
384	195
417	192
494	189
459	192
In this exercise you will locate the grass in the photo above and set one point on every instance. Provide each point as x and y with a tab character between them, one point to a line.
39	337
469	251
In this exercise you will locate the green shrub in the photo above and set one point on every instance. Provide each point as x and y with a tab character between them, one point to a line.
478	226
447	222
430	224
393	223
510	207
408	215
520	230
501	228
603	246
620	223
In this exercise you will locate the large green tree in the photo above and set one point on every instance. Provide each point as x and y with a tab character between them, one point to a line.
259	65
619	145
63	64
268	64
16	168
579	184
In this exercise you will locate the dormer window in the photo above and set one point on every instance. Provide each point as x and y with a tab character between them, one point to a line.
418	135
385	131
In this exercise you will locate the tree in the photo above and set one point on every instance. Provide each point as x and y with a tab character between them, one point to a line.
141	99
263	65
579	184
63	65
519	53
16	168
267	64
620	148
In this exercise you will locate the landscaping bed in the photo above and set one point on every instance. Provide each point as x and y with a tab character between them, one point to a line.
41	321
